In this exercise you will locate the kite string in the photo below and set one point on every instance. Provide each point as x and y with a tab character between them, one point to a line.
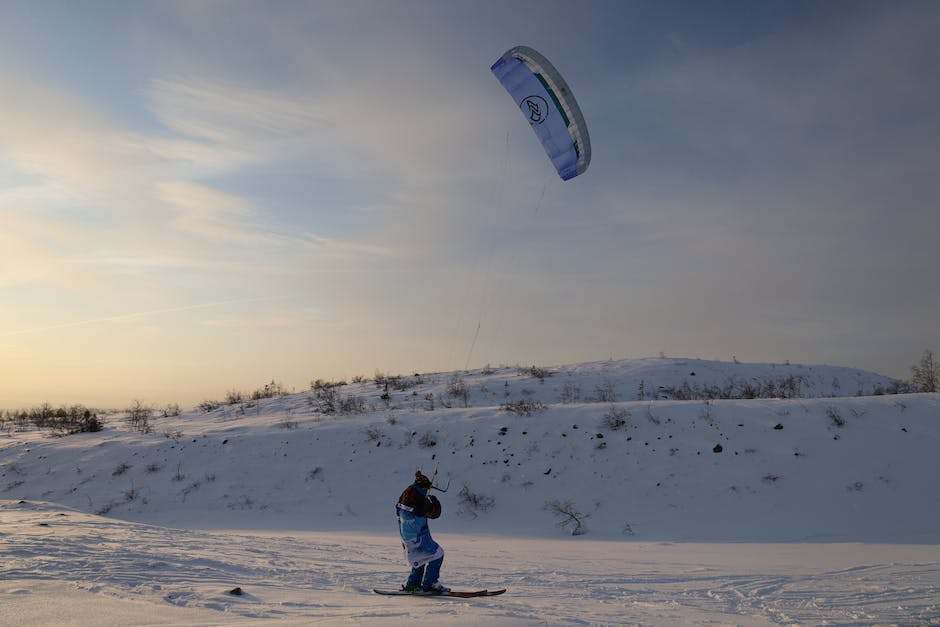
498	200
550	180
499	204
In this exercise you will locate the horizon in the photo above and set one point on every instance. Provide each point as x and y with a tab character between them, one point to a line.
184	214
276	389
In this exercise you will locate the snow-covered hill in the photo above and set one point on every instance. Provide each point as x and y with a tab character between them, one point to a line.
290	499
827	462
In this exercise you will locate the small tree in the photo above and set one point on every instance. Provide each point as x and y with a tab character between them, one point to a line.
925	375
458	388
138	417
569	518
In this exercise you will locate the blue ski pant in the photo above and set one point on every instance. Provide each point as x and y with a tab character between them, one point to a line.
425	575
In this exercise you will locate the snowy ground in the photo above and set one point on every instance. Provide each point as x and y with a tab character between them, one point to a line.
65	567
823	508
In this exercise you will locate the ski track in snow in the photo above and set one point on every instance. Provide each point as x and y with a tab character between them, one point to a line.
311	578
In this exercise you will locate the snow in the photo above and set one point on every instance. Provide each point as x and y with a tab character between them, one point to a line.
820	508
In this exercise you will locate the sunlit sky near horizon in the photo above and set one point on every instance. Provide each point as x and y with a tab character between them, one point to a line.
204	196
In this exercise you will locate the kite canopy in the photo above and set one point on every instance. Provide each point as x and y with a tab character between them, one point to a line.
548	104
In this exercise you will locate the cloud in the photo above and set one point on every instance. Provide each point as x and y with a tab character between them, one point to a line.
126	317
91	196
225	125
208	212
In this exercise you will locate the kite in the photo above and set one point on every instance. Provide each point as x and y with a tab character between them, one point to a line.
546	101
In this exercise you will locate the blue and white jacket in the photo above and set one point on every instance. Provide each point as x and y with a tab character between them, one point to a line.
413	509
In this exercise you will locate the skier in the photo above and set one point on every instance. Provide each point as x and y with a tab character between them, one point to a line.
424	555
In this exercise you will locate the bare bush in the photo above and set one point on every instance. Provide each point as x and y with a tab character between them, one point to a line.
471	504
458	388
269	390
570	392
171	411
209	406
616	418
537	372
173	434
835	416
524	408
428	440
330	401
319	384
604	393
138	417
352	405
569	518
62	420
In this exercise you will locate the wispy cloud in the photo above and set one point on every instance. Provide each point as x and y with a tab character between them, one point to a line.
223	125
125	317
122	186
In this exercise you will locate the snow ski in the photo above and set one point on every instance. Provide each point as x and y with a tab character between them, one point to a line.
448	593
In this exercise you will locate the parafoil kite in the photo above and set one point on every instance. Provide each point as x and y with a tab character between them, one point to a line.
548	104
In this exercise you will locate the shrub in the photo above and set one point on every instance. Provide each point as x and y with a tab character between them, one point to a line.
539	373
835	417
209	406
471	503
568	516
171	410
62	420
458	388
320	384
138	417
615	419
374	434
524	408
352	405
570	392
269	390
604	393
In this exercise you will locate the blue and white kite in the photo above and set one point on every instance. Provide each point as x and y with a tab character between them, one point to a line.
548	104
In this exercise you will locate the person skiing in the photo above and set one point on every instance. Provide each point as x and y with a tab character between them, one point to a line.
424	555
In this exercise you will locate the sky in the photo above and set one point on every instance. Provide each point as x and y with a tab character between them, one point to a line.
198	197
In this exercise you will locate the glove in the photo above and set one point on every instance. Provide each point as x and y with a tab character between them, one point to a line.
435	510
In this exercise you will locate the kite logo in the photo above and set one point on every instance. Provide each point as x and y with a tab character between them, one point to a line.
534	108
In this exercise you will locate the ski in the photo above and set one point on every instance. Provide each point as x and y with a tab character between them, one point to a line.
460	594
